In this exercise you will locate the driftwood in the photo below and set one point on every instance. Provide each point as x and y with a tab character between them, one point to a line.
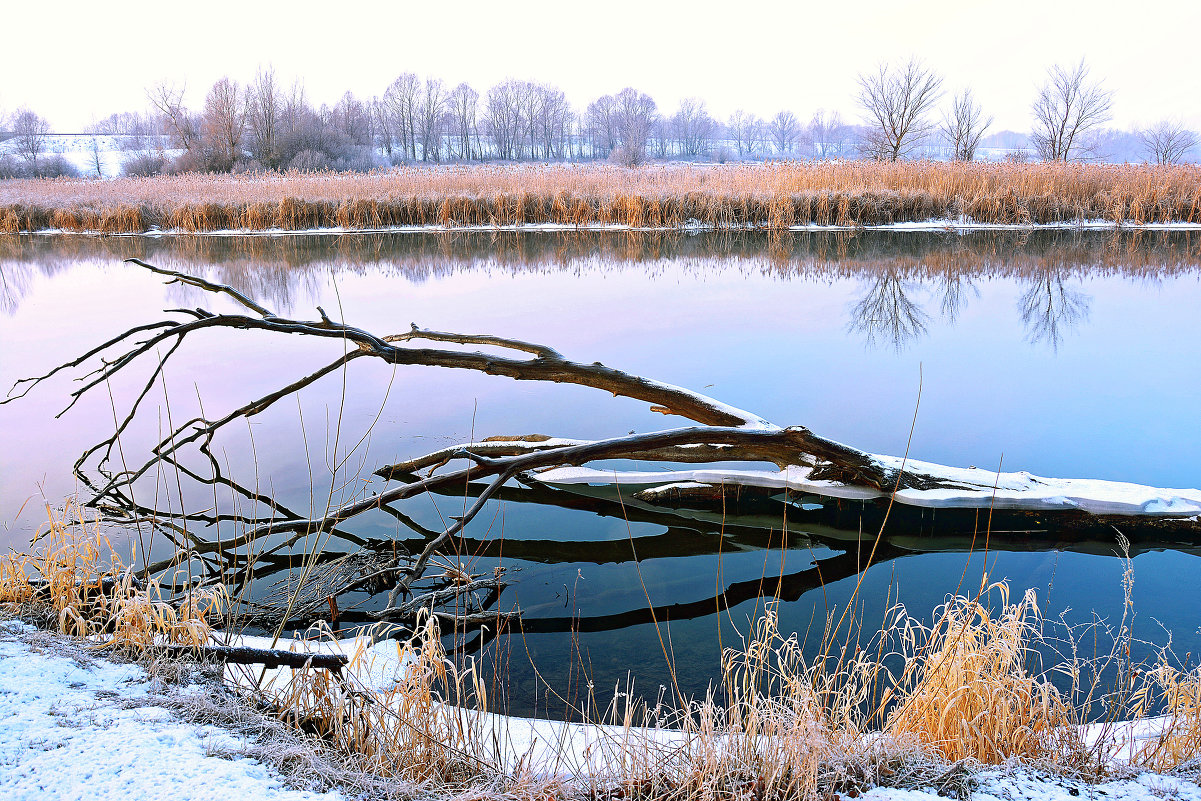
797	461
268	657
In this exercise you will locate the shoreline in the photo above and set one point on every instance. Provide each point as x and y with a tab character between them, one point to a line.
928	226
80	719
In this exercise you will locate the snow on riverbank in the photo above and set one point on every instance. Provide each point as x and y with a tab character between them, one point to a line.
77	725
73	725
957	225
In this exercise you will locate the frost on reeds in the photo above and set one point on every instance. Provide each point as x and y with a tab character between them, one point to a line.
968	692
773	196
421	728
75	580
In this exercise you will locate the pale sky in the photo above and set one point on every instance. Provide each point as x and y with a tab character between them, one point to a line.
75	60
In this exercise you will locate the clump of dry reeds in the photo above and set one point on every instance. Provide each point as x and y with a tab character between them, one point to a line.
417	729
969	691
772	196
1178	695
74	579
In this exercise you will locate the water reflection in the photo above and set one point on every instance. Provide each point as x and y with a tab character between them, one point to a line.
901	271
955	287
1050	309
762	318
886	314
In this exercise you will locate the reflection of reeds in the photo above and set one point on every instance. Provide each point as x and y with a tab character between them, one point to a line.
276	268
775	195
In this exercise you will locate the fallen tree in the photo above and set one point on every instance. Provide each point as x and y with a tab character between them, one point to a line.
794	460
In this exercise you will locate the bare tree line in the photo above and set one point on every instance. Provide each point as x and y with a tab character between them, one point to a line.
265	125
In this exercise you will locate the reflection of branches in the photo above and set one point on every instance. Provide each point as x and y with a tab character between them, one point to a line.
15	278
279	271
1049	309
954	286
886	313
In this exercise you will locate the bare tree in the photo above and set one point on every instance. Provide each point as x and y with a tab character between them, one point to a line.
600	120
636	115
1068	107
964	126
263	109
784	131
181	124
30	132
97	162
736	127
661	135
463	102
896	105
400	102
620	126
431	109
1168	141
826	134
223	124
550	115
692	127
756	134
505	114
351	118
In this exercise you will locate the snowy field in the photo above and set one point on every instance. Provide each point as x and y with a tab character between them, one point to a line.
83	152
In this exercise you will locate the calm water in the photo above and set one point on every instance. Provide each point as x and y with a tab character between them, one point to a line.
1062	354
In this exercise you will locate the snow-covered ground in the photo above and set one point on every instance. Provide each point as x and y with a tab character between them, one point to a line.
76	725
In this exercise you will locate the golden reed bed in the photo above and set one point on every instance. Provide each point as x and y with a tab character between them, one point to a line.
775	195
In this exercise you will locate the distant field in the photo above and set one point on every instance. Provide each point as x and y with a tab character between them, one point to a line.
773	196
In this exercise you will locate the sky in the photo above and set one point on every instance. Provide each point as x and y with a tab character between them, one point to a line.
74	61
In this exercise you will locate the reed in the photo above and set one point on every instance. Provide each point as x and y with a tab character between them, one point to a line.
972	694
74	580
773	196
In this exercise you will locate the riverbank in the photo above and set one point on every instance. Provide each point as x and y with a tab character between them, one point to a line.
78	724
776	196
404	714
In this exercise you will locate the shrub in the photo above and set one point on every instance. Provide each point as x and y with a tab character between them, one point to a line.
143	165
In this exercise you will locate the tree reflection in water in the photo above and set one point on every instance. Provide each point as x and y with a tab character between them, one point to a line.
1049	309
886	313
954	288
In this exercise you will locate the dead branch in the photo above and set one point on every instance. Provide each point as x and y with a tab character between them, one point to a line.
267	657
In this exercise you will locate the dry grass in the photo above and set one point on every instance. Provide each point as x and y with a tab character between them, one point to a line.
773	196
973	695
1179	694
897	708
413	730
75	580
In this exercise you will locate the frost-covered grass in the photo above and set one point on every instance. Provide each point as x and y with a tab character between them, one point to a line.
776	196
912	706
